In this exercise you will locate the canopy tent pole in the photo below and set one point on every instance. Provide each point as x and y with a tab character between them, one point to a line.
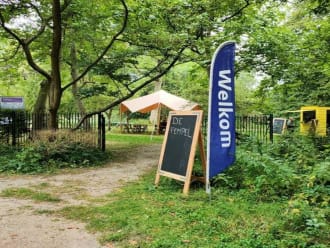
158	117
121	118
127	121
156	121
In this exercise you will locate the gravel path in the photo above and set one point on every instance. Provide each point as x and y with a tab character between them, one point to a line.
30	224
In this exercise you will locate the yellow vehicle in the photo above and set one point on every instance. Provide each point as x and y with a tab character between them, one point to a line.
315	120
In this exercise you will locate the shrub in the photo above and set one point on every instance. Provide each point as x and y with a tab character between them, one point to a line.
310	222
280	169
263	176
52	151
296	169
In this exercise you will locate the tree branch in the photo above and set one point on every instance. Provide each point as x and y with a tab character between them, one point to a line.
132	92
25	47
150	46
247	3
155	68
65	5
42	27
107	48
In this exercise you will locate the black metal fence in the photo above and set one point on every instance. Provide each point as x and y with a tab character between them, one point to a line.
17	127
258	127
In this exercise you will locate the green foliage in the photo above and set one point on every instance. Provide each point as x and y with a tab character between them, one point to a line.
7	150
290	45
42	156
293	168
263	176
284	41
277	169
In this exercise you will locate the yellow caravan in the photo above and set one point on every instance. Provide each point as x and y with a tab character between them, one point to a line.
315	120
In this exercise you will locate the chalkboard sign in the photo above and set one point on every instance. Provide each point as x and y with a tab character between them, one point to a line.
179	146
279	125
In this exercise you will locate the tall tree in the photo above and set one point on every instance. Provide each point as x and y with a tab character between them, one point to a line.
114	38
291	46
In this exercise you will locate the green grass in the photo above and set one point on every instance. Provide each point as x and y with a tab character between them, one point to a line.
141	215
133	140
24	193
122	145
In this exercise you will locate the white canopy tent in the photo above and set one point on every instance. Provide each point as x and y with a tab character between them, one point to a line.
152	101
157	100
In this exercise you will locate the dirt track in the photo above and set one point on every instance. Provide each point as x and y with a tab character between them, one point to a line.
30	224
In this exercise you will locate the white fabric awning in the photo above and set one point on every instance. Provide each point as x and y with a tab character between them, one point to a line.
152	101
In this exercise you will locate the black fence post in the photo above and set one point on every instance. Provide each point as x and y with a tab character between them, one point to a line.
13	125
101	132
271	134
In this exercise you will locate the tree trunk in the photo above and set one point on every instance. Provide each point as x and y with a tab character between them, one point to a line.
108	114
74	75
55	91
38	120
40	105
